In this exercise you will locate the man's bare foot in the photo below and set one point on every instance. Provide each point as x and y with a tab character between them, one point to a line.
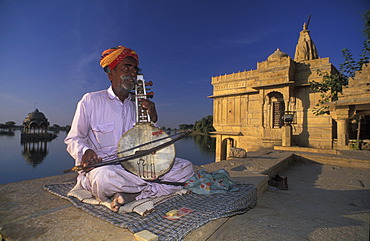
118	201
121	198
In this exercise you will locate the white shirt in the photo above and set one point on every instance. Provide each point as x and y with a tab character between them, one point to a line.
99	123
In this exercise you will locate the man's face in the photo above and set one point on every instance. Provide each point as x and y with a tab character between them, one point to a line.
123	76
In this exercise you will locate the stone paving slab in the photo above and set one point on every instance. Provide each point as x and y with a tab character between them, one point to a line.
27	212
345	158
323	202
30	213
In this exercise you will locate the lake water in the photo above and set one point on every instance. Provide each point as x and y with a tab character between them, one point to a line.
24	161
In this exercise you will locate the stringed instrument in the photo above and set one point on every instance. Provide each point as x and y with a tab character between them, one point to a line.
149	167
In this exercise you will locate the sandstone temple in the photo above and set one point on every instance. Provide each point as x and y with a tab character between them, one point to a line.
272	105
35	127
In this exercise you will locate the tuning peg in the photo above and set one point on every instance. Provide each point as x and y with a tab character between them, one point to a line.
150	94
150	83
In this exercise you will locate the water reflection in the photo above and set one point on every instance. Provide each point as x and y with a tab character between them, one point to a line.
205	143
35	159
34	152
7	133
199	149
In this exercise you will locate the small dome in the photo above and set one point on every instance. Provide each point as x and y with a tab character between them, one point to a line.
36	117
277	55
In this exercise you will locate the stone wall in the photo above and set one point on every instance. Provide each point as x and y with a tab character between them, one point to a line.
243	104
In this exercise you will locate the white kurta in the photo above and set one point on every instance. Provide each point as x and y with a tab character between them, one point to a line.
99	122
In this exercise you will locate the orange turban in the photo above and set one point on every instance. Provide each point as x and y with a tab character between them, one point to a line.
110	58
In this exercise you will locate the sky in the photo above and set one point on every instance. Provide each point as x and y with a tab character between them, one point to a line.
50	50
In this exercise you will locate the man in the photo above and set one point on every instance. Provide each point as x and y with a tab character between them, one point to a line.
100	120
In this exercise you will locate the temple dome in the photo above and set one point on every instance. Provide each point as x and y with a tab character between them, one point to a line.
277	55
37	118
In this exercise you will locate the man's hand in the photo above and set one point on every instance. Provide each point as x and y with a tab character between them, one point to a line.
150	107
89	158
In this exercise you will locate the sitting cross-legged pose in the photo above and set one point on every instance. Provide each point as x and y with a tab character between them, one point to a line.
100	120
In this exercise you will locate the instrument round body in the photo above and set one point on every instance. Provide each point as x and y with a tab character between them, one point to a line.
152	166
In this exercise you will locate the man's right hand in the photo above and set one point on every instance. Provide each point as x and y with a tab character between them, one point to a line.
89	158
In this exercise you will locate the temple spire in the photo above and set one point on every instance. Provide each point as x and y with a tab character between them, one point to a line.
305	49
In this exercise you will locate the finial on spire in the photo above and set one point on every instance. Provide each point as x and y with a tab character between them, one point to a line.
305	49
308	22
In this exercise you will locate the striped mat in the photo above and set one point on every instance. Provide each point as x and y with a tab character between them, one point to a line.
205	208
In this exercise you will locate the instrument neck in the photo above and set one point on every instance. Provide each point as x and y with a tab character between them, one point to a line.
142	116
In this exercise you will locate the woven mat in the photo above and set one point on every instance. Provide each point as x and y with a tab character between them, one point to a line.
206	208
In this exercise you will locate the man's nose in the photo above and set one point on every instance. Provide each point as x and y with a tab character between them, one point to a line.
132	72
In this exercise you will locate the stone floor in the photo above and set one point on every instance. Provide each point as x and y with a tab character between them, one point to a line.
323	202
27	212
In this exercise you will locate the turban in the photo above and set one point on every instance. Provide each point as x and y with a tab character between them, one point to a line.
110	58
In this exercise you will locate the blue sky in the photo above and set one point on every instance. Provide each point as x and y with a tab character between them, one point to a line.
50	50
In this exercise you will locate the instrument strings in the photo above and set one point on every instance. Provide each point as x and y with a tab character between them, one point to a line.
115	156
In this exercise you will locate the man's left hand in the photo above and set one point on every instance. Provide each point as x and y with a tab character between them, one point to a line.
150	107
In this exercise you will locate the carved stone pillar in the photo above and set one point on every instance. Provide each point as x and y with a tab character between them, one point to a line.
342	133
341	115
218	148
229	145
286	135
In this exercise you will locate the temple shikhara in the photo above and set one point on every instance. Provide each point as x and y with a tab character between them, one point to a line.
35	127
272	105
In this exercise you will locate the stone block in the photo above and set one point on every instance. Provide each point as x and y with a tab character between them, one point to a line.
254	121
145	235
237	152
321	134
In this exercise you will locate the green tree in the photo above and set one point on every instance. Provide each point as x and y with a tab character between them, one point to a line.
205	125
350	66
367	24
10	125
332	84
183	127
166	129
329	88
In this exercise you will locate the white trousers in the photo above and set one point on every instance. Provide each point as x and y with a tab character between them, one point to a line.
105	181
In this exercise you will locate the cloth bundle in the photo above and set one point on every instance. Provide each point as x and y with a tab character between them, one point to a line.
208	183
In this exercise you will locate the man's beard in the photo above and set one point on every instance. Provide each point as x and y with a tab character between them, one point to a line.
126	80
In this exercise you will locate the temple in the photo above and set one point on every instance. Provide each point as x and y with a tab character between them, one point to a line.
272	105
35	126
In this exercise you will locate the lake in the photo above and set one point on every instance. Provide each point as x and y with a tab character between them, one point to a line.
24	161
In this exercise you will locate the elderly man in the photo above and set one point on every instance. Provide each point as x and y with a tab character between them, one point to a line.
100	120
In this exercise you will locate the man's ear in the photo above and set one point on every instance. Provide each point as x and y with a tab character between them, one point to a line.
110	76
